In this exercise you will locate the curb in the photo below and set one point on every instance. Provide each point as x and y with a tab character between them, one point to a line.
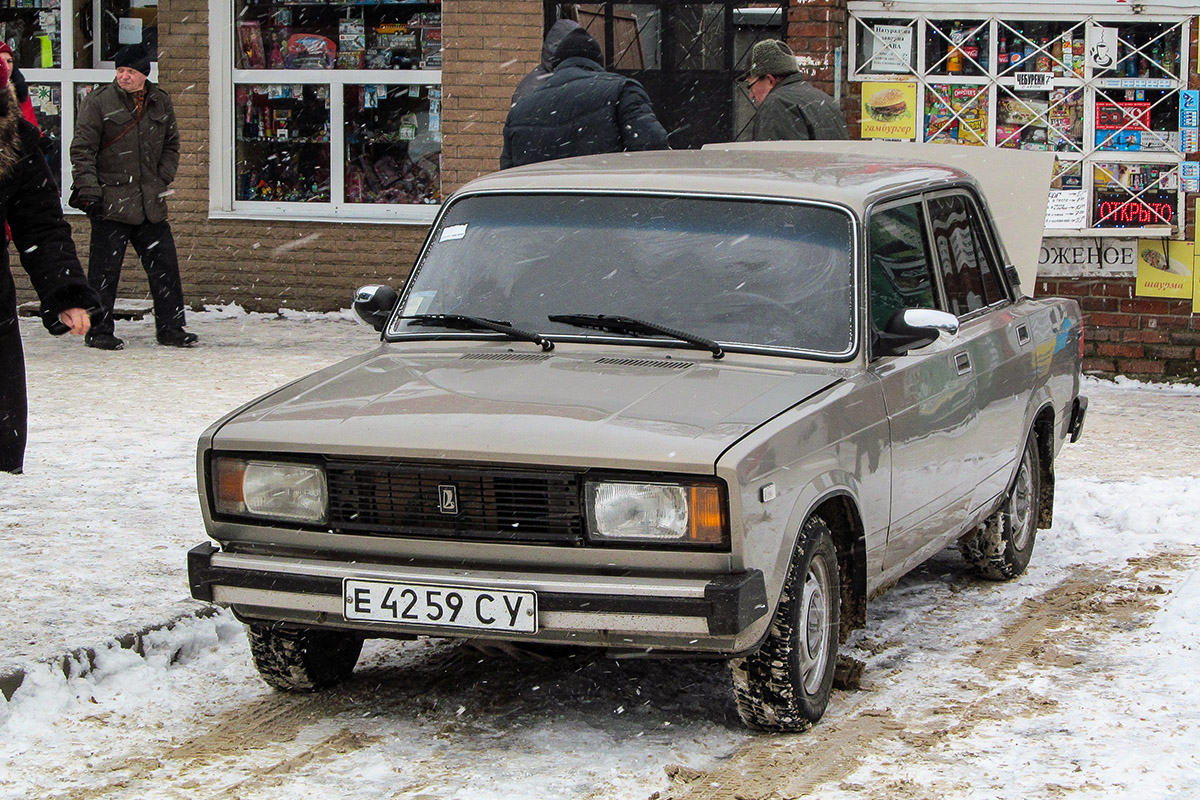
81	661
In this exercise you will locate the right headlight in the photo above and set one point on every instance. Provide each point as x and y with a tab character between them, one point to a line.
279	490
656	513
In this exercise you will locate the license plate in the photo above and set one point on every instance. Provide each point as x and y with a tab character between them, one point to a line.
440	606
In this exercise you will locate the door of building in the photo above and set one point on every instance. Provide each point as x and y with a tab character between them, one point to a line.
688	55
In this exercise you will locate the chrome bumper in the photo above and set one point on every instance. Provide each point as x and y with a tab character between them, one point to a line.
626	611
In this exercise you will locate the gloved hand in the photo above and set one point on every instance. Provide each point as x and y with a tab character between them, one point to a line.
91	205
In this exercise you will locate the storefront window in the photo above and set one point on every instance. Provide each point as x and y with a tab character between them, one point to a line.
34	32
336	110
1114	121
283	143
47	108
393	144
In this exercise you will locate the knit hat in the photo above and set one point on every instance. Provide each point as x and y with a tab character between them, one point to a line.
134	56
771	57
3	76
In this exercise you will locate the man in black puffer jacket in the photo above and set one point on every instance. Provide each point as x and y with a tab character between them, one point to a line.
30	205
579	109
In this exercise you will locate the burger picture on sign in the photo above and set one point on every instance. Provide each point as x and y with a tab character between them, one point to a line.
889	110
886	105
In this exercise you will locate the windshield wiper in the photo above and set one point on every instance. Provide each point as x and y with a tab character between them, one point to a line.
461	322
637	327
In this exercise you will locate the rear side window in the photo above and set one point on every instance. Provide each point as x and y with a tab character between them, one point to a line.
901	276
969	274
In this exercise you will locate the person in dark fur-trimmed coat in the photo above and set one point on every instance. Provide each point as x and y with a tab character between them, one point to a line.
30	203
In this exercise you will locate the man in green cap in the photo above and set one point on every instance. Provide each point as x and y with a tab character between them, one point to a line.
789	107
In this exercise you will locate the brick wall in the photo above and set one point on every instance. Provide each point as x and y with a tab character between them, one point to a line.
1143	337
489	48
815	29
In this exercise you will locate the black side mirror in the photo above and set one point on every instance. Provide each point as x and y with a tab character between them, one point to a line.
374	304
912	328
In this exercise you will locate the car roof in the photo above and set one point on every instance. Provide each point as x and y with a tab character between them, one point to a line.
844	178
854	173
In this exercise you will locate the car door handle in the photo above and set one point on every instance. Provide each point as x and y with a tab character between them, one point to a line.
962	362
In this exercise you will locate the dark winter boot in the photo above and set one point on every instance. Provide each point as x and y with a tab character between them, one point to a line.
177	337
104	341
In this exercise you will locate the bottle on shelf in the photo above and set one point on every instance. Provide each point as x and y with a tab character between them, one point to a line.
1016	53
954	59
1002	54
971	59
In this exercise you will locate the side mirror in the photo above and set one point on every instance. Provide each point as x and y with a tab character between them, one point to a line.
912	328
374	304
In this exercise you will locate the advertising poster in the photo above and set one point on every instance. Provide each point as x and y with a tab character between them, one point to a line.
889	110
1165	268
1195	289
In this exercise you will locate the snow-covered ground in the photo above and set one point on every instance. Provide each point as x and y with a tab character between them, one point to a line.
1076	681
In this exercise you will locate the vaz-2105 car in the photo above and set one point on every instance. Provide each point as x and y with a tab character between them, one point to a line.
696	403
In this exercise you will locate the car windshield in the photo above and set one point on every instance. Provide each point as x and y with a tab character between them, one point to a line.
741	272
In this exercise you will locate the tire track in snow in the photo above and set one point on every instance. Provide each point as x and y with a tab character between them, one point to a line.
1090	604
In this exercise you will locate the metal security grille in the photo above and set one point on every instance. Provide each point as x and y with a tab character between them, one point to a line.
483	504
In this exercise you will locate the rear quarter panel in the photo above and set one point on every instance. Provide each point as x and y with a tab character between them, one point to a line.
1056	326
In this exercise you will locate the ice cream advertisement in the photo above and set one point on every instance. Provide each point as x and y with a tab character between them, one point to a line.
889	110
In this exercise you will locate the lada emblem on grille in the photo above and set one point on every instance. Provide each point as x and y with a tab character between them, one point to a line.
447	498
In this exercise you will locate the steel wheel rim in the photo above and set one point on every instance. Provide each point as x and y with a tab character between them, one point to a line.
1021	508
814	626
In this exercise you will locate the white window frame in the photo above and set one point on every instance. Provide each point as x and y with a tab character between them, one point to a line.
862	12
223	80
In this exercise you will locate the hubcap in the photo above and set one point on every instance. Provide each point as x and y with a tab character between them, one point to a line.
1021	507
814	626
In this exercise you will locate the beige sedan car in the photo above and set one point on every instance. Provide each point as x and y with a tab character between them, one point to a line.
698	403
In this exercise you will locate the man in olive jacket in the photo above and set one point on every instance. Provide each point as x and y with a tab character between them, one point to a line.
789	107
30	205
123	158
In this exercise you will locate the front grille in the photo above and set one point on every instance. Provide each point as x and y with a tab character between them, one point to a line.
489	504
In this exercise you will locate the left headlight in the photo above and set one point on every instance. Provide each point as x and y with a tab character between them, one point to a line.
279	490
656	513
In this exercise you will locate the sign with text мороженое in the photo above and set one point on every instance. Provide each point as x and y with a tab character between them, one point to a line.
1092	256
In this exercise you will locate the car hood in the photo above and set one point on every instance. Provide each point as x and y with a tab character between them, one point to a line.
619	407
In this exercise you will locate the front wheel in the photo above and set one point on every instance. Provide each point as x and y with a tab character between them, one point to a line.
1001	547
302	660
786	684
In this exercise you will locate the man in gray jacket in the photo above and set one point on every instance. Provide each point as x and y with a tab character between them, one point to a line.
789	107
123	158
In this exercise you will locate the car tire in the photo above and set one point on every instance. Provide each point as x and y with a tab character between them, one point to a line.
1001	547
786	684
302	660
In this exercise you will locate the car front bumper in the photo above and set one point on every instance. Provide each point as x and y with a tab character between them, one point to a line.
716	614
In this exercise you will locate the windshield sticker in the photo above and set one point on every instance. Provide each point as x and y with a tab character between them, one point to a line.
452	232
418	302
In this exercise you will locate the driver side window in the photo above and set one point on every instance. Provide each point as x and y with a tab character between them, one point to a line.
899	263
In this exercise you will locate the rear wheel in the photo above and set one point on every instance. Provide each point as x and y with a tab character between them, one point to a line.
302	660
1001	547
786	685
